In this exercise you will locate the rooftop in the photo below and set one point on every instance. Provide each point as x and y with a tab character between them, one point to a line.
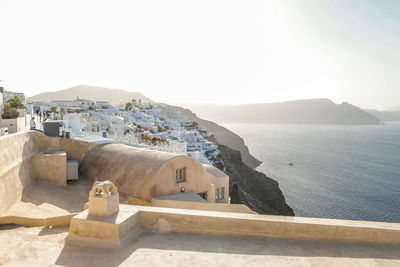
41	246
163	236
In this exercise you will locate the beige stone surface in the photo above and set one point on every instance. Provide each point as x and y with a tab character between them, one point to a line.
50	247
237	208
76	150
136	201
50	166
266	226
43	203
144	174
103	199
103	206
114	228
220	180
16	150
15	168
245	225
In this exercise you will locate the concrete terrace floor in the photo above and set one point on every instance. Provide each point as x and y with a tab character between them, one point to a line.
38	246
47	200
42	246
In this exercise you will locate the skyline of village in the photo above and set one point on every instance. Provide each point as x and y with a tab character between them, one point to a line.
146	125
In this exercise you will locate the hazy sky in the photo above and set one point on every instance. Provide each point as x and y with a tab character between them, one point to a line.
214	51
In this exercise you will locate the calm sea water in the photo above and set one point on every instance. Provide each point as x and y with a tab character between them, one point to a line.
343	172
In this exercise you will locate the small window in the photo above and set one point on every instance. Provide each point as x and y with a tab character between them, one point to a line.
181	175
220	193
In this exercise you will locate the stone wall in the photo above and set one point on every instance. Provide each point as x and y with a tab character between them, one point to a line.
76	150
15	168
50	166
235	208
16	150
267	226
186	221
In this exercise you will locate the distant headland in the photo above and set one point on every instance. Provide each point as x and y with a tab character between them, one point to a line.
307	111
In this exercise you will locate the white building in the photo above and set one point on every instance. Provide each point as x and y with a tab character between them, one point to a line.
117	125
73	122
81	103
62	103
102	104
84	103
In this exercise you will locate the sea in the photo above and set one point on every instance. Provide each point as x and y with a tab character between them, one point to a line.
341	172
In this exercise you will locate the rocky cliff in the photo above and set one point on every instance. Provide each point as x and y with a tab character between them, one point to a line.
259	192
252	188
223	136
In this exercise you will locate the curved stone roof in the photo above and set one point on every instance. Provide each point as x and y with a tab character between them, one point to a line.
137	172
115	156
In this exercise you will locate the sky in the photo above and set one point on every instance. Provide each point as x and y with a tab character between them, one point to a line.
222	52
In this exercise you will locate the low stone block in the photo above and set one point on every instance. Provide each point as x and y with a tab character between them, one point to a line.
50	166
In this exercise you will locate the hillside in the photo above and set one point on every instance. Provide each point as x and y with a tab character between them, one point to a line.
254	189
223	136
309	111
114	96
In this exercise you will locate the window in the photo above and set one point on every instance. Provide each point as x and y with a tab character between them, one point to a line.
181	175
220	193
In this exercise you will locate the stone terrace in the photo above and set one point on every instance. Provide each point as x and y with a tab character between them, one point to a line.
39	246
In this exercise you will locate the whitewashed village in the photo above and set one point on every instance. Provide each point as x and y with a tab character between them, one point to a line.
147	125
139	124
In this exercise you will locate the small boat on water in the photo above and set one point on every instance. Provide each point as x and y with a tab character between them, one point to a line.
291	163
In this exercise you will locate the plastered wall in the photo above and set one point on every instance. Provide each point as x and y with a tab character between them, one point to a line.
16	150
15	168
236	208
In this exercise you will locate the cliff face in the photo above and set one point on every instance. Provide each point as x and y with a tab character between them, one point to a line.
252	188
259	192
223	136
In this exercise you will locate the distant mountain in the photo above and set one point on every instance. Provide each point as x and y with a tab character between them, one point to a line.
114	96
384	115
309	111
